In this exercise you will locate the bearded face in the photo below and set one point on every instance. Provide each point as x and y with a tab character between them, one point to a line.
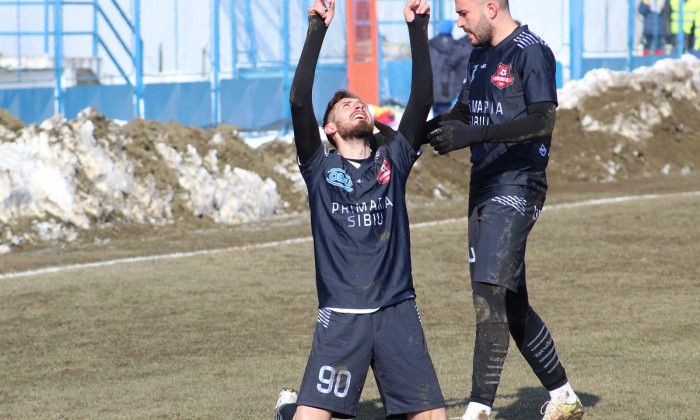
353	119
473	20
482	34
360	129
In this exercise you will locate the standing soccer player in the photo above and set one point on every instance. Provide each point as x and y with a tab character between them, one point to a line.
367	311
505	113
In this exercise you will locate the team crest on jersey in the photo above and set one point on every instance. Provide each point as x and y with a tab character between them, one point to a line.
384	172
502	77
339	178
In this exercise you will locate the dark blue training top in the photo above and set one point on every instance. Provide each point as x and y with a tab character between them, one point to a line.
501	82
360	227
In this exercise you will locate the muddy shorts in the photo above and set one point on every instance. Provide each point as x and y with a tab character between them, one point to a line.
389	340
498	229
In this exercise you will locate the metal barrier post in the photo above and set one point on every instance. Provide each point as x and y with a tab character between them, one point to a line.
46	26
250	28
19	47
215	103
285	69
576	35
58	56
95	39
630	36
138	61
234	41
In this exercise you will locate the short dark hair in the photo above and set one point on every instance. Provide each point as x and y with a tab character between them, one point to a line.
339	95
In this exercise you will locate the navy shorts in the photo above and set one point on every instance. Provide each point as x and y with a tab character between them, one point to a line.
498	229
391	341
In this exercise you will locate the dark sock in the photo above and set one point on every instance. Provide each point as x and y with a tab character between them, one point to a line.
287	412
537	346
533	340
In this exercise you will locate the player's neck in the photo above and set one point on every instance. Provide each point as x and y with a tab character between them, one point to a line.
503	31
357	149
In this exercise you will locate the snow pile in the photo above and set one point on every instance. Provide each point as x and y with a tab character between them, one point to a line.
61	169
662	83
234	196
60	176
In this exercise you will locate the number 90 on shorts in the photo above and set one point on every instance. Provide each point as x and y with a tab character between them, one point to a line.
330	381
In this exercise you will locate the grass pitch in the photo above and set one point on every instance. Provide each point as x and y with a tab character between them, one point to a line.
217	335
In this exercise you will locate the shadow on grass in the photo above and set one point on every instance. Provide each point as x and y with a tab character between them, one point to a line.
523	405
374	410
527	403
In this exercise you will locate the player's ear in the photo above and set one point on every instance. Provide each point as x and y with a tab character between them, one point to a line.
330	129
492	10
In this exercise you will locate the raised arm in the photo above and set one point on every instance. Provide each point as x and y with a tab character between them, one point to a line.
412	126
306	136
455	134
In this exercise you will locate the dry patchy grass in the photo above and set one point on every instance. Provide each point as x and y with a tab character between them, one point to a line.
217	335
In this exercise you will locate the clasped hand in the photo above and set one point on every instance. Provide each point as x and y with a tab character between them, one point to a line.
325	12
415	7
453	135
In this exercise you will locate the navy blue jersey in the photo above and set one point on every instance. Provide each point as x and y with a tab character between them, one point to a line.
360	226
501	82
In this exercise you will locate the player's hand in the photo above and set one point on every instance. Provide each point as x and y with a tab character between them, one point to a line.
384	135
454	135
324	12
415	7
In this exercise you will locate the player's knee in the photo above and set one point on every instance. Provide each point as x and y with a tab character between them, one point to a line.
489	303
436	414
311	413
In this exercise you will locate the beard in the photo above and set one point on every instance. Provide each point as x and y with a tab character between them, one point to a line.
359	129
482	35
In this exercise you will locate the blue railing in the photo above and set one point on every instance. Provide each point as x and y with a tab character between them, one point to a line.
54	29
250	55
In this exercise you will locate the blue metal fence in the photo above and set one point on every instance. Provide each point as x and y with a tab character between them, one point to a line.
64	21
233	61
609	36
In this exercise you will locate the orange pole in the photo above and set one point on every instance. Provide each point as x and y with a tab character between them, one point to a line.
363	66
